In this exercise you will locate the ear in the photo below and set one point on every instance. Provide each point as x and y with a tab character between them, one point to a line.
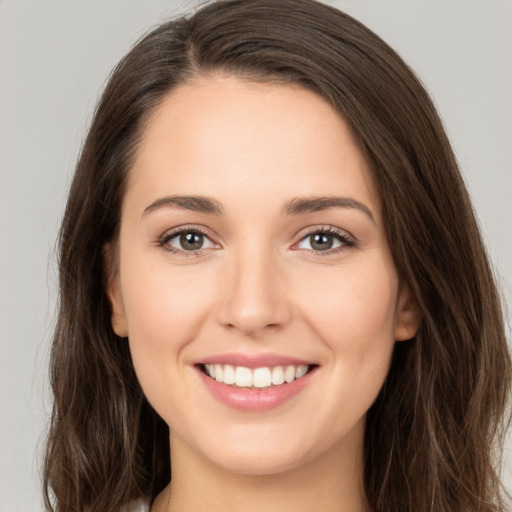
113	290
408	314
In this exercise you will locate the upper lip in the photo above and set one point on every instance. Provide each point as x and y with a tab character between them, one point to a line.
253	360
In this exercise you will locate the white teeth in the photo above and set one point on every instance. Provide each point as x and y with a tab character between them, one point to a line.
289	374
229	374
219	373
301	371
263	377
278	376
243	377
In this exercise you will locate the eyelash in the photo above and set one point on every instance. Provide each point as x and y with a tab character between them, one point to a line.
347	242
164	240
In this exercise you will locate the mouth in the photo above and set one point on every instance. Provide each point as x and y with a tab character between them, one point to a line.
264	377
255	382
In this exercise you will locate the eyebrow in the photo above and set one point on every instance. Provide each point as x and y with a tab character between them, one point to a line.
301	205
296	206
195	203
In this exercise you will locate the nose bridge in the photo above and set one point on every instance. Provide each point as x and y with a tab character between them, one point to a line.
254	293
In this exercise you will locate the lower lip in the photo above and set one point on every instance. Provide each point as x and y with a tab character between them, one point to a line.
254	399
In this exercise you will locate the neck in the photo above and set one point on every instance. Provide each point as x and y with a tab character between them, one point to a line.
329	483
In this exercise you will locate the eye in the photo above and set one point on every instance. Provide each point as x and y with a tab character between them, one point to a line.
186	240
323	240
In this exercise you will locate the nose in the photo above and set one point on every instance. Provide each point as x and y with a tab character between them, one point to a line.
254	295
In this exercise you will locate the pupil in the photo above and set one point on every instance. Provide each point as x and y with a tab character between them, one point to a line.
321	242
191	241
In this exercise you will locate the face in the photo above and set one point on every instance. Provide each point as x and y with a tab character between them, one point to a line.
253	276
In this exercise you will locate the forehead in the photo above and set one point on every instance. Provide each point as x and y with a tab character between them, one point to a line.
255	137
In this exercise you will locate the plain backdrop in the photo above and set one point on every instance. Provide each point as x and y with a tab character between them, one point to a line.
54	59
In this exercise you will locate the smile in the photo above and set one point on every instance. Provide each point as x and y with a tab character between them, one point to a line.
254	383
263	377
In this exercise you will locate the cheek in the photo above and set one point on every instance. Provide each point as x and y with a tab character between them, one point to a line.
165	308
354	320
353	311
161	300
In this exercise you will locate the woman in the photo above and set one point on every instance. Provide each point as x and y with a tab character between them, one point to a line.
272	282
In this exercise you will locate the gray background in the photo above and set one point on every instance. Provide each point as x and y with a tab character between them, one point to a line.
54	59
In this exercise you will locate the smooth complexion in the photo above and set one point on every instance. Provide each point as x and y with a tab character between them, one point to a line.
267	265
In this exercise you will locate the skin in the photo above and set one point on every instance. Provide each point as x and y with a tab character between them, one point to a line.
257	285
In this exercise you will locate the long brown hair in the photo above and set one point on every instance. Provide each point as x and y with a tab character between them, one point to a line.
433	435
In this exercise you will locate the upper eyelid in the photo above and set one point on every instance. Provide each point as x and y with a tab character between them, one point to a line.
318	228
187	228
324	229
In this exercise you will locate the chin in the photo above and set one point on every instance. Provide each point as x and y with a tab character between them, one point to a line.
258	462
264	451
